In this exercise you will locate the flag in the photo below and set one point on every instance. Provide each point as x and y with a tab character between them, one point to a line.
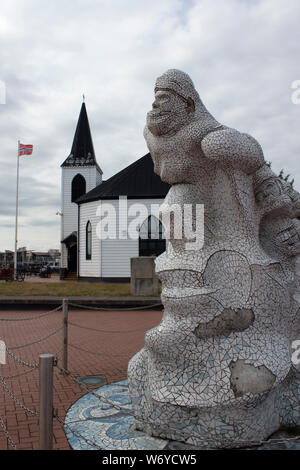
25	149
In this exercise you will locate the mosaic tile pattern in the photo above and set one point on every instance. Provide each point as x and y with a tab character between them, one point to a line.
104	425
111	430
217	371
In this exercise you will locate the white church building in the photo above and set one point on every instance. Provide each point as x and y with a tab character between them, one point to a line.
86	254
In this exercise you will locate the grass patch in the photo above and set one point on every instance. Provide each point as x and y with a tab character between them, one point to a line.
63	288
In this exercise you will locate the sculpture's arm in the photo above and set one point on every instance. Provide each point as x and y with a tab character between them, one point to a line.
231	148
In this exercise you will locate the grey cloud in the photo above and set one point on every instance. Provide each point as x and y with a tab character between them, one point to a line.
241	55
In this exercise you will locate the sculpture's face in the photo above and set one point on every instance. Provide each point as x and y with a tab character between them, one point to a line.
283	234
170	112
269	188
294	196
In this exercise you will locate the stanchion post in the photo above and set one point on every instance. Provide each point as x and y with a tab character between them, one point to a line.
46	401
65	311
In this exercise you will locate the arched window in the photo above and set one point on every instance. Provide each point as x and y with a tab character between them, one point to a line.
88	241
151	240
78	187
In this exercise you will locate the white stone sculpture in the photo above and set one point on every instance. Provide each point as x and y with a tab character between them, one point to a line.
217	371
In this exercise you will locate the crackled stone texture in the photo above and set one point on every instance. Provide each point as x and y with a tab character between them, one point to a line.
217	371
230	320
247	378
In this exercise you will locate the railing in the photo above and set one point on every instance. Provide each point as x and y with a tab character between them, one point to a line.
46	365
49	362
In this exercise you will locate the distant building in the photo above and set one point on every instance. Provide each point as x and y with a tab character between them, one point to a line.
6	257
83	191
43	257
29	257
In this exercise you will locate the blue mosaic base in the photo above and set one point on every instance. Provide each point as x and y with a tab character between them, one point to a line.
104	425
110	429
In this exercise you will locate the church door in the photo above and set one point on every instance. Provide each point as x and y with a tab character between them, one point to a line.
72	258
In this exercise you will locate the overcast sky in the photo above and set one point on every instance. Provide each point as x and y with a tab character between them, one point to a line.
243	56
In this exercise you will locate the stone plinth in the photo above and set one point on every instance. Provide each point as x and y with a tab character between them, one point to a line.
143	278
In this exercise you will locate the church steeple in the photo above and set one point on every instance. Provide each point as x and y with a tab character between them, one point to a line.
82	151
80	173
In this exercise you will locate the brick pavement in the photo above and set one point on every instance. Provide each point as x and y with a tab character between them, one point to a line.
114	351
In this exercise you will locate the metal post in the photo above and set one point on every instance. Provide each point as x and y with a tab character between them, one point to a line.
17	211
65	334
46	401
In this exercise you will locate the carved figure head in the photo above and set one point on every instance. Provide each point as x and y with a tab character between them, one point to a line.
266	185
274	195
281	236
175	103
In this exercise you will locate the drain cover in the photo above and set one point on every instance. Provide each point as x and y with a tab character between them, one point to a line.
93	380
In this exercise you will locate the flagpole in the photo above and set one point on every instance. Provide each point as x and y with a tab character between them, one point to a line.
17	210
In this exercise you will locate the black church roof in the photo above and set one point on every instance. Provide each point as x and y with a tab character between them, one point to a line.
72	238
137	181
82	152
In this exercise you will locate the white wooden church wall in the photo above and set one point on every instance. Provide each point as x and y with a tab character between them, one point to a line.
70	209
89	268
112	256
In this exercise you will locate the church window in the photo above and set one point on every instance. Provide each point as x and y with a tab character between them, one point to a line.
151	240
78	187
88	239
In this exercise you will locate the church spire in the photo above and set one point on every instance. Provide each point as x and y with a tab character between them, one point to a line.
82	151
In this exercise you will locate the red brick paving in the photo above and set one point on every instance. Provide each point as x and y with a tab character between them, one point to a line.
23	427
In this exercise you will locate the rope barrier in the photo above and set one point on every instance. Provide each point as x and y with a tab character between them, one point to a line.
34	366
106	442
89	307
106	331
36	342
102	397
32	318
8	377
183	435
15	399
96	353
21	362
8	437
76	433
226	443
